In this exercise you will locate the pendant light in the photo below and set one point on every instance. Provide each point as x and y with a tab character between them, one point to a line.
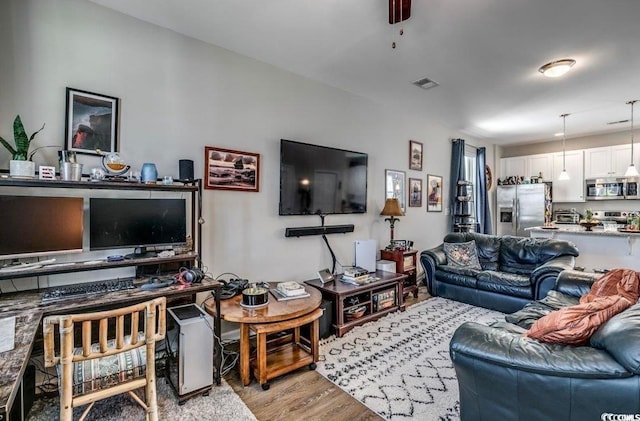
631	171
564	175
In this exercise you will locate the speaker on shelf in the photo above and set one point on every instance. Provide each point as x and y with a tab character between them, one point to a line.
186	169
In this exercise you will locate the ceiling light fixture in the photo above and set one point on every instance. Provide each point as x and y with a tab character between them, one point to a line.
557	68
631	171
564	175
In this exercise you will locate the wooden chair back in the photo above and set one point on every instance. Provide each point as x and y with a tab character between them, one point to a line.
118	331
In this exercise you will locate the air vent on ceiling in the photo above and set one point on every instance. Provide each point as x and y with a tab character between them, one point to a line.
426	83
618	122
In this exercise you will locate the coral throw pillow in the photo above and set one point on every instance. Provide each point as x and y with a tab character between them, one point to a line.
611	294
462	255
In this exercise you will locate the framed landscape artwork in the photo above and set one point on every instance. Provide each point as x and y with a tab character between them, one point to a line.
415	192
415	155
91	122
394	186
227	169
434	193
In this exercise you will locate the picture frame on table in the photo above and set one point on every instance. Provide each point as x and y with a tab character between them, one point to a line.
399	244
91	122
415	192
434	193
228	169
415	155
395	186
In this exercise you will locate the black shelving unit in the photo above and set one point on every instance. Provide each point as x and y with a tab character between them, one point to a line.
463	214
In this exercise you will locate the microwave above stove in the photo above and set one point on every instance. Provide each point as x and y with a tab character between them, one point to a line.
605	188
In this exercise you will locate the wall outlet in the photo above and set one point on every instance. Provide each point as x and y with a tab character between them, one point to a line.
446	211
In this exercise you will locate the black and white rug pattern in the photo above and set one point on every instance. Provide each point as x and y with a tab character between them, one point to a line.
399	365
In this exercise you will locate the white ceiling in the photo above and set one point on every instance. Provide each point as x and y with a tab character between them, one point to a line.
485	55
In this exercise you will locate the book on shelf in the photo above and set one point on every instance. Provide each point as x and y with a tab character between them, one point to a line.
291	289
281	297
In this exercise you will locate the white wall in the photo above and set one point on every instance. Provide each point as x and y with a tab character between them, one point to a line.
179	94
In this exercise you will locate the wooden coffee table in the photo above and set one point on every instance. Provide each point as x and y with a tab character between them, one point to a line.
378	298
275	359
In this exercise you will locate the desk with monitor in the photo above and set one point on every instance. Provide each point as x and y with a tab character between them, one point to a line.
29	310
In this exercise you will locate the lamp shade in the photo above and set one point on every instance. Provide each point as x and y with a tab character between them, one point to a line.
392	208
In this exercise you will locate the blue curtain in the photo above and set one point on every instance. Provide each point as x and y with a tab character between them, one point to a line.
457	173
483	213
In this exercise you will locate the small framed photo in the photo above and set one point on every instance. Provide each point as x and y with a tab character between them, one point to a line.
434	193
227	169
415	155
415	192
394	186
399	244
91	122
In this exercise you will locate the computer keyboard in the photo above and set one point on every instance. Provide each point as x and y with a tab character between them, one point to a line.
82	290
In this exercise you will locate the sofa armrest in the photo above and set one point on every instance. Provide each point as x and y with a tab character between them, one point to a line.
430	260
576	283
543	278
511	350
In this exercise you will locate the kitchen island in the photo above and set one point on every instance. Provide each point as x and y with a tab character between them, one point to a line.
599	248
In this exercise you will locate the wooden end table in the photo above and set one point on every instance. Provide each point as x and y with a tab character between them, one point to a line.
407	263
379	297
277	316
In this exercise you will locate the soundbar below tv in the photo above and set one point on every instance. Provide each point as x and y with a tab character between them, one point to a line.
319	230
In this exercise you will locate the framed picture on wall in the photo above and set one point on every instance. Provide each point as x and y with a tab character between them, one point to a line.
91	122
227	169
415	155
415	192
434	193
394	186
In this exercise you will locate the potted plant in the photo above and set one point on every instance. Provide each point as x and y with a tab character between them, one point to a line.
21	164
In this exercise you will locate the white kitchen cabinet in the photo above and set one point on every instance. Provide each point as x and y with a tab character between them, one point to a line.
527	166
609	161
540	164
514	166
571	190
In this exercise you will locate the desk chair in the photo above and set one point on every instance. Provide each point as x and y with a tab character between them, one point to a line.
121	359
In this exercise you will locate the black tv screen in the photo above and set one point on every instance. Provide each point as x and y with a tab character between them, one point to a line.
120	223
321	180
38	226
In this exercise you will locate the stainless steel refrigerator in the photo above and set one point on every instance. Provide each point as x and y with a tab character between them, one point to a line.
523	206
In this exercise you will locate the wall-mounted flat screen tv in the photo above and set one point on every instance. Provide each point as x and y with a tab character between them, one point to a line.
39	226
321	180
139	223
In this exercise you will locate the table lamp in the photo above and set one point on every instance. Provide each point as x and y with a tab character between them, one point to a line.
391	209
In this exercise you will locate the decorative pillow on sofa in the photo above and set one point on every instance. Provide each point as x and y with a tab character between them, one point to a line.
462	255
620	336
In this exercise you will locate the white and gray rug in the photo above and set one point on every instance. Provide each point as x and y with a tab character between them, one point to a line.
222	404
399	365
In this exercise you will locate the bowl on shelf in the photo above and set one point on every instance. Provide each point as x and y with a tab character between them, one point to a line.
588	224
355	313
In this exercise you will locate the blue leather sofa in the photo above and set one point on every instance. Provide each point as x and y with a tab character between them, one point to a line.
514	270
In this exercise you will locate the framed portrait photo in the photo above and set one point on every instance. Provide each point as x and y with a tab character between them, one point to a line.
434	193
227	169
394	186
415	155
91	122
415	192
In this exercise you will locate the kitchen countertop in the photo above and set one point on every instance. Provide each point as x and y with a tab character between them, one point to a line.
577	229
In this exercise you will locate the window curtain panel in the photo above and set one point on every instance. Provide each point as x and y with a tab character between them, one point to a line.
457	173
483	212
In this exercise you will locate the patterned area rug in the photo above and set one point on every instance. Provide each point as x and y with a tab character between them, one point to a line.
399	365
222	404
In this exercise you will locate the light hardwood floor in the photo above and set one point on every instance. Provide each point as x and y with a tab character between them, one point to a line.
305	395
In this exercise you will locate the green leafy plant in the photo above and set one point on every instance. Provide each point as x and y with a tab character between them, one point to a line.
22	141
588	215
